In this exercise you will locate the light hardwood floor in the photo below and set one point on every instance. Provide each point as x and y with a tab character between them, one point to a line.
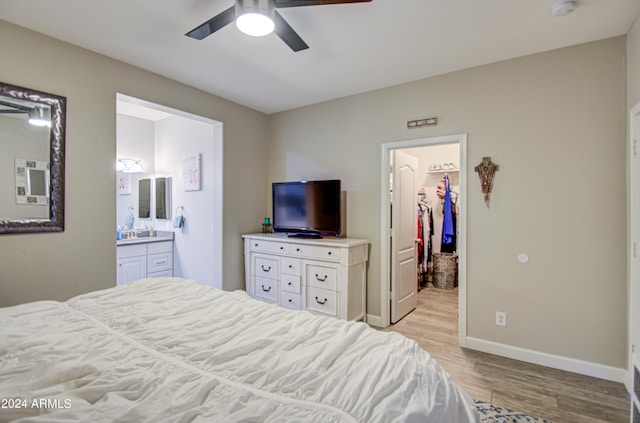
550	394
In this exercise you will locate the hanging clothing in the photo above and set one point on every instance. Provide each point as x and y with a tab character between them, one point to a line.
448	242
451	247
425	230
420	240
431	233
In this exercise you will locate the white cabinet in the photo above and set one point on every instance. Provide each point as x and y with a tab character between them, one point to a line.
131	269
159	259
326	276
144	260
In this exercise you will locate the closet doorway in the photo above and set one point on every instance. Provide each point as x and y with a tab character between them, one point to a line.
438	158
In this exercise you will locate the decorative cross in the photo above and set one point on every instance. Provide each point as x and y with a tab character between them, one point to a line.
486	170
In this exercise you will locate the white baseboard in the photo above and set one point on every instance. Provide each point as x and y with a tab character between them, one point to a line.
573	365
375	321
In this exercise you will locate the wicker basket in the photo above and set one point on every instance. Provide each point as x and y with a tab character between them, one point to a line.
445	270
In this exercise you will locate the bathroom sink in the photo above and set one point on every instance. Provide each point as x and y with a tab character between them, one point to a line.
144	237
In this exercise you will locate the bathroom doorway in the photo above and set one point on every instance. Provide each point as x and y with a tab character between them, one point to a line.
164	139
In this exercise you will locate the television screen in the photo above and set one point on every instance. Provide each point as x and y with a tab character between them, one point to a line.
307	208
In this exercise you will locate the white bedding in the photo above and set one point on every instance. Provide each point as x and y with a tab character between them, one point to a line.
170	350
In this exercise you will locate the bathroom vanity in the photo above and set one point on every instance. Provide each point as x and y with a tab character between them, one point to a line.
144	257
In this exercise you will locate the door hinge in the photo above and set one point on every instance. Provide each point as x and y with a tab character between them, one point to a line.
635	255
635	153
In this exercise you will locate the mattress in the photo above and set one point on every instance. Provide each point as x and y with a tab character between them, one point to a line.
172	350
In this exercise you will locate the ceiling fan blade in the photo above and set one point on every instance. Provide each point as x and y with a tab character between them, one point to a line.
287	34
212	25
297	3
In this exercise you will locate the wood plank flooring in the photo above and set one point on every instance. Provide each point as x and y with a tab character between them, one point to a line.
550	394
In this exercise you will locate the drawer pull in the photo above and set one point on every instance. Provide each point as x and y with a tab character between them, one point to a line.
329	253
290	300
290	267
255	245
290	284
298	249
265	270
321	280
321	302
281	248
266	290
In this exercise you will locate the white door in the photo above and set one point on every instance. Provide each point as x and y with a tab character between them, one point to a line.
404	233
634	234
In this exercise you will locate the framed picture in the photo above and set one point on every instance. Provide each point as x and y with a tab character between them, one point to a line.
124	183
191	172
32	182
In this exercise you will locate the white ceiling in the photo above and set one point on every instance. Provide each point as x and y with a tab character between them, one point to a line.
354	48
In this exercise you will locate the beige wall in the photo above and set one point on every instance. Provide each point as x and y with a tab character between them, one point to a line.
556	124
633	64
82	258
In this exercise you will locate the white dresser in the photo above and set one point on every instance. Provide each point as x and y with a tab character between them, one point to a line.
326	276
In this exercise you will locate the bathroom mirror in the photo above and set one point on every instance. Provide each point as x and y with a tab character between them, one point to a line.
32	130
163	198
144	198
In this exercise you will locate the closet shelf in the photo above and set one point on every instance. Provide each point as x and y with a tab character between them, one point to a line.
444	171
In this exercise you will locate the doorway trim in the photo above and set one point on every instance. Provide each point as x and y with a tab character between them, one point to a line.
633	277
385	244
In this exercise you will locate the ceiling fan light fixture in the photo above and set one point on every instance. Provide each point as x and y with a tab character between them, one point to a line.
255	17
39	116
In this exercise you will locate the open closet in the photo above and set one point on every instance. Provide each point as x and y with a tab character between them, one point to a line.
437	229
435	197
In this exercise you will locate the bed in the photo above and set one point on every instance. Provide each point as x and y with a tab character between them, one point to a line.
172	350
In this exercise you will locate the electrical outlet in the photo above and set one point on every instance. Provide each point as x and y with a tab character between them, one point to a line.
501	318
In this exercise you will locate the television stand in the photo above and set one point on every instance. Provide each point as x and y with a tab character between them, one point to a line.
325	276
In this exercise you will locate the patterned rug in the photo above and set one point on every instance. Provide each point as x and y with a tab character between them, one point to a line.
490	413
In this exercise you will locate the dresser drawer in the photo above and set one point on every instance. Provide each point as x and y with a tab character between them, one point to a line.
259	245
316	252
322	300
325	277
290	283
266	289
290	300
266	267
290	265
159	262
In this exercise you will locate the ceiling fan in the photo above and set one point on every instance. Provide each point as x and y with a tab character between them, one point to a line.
262	13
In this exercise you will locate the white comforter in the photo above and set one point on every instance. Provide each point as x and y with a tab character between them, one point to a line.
170	350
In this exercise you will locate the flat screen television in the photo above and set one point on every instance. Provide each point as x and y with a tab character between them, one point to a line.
307	208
